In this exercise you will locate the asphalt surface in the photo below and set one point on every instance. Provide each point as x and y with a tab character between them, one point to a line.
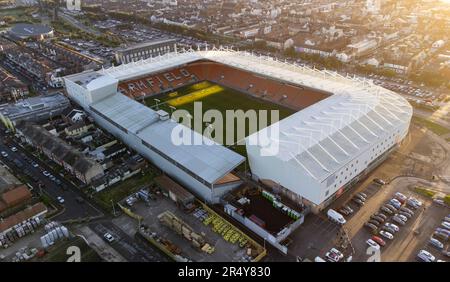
132	249
72	209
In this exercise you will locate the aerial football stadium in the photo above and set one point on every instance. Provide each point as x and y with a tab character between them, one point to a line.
332	131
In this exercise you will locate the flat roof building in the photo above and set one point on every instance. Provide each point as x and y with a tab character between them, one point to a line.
143	51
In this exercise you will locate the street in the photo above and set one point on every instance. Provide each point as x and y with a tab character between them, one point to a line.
72	209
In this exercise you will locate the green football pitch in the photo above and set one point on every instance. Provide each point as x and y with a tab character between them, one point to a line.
223	99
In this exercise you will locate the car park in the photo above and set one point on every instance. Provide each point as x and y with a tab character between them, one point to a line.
379	240
373	244
425	256
386	235
436	243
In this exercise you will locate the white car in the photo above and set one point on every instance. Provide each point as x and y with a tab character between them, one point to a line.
373	244
396	203
386	235
46	173
60	200
108	237
402	217
14	149
392	226
400	197
425	256
4	154
334	255
445	224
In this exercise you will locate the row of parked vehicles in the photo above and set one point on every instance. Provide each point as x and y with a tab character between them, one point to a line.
400	209
438	240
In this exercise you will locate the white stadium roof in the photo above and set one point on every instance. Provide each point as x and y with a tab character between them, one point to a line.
208	162
320	138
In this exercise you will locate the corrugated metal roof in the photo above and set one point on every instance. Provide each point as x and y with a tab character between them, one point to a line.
208	162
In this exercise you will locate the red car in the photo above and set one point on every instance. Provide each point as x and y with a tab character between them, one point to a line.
380	241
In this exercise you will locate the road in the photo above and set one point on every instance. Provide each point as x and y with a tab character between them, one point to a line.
74	22
72	209
132	249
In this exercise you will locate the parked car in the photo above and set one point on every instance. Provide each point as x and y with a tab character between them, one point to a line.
414	203
373	244
344	211
379	181
357	196
386	210
398	220
379	240
362	195
405	214
440	235
46	173
60	200
443	230
336	217
347	207
425	256
108	237
383	216
396	203
371	226
436	243
14	149
35	165
377	218
392	226
386	235
374	222
334	255
402	217
391	207
358	202
400	197
405	209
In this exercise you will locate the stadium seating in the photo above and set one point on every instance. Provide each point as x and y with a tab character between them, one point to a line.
295	97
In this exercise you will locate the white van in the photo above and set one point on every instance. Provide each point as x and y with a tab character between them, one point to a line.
336	217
